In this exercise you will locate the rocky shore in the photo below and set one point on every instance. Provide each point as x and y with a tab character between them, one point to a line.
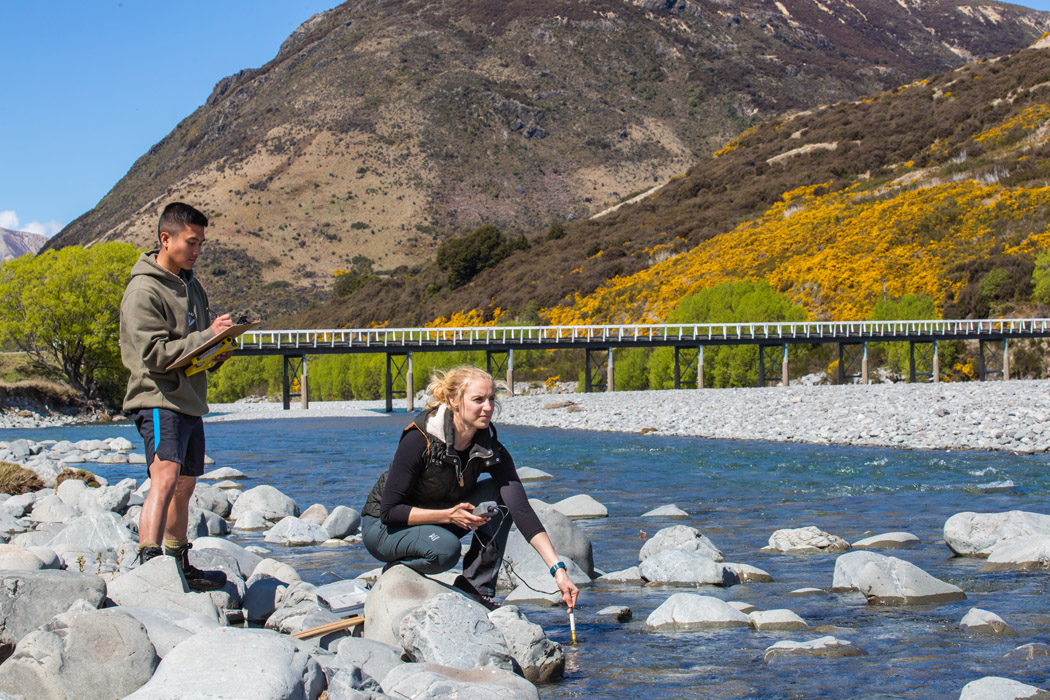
1007	416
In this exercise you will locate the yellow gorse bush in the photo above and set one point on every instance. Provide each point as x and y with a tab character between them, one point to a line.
834	254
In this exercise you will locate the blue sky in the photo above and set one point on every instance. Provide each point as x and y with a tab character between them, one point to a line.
88	87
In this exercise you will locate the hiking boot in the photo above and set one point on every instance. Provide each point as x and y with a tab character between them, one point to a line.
195	578
466	587
147	553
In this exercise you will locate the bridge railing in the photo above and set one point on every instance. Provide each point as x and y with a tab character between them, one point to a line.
379	338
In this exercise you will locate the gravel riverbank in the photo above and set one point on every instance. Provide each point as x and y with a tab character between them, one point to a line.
1009	416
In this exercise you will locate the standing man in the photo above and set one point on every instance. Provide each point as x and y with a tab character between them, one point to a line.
163	314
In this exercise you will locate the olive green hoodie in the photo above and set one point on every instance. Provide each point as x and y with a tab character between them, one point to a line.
163	315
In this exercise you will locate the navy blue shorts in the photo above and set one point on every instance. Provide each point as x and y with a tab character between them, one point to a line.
173	437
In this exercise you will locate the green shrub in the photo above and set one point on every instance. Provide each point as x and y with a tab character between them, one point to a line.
78	474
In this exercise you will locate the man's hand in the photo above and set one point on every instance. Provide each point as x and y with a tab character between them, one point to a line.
221	323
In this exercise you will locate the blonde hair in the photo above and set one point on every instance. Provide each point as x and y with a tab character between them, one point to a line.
448	386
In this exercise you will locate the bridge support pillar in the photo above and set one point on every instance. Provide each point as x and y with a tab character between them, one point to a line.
770	353
993	359
936	363
927	363
610	372
501	364
304	393
596	377
853	362
294	374
398	366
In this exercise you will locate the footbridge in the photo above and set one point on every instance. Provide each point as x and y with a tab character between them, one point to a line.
773	340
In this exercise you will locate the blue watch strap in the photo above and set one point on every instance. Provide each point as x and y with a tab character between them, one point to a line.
554	569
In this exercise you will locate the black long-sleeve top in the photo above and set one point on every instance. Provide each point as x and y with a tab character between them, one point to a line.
409	461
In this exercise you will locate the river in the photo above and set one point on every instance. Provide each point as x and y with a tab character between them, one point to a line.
738	493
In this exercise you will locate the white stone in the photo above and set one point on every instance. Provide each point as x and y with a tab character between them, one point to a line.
680	537
679	566
581	507
998	688
985	622
688	611
1024	553
222	473
977	534
887	540
847	566
159	583
780	619
273	504
293	532
827	647
893	581
526	474
670	512
805	540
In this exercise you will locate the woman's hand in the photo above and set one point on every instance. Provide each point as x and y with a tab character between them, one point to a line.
568	589
463	516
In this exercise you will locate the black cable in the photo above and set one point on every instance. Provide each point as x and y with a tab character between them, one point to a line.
510	566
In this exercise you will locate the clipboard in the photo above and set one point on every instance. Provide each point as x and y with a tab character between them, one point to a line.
203	356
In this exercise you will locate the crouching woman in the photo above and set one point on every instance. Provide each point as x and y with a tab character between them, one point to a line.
421	507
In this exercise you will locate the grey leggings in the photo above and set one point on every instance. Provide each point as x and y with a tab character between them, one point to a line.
431	549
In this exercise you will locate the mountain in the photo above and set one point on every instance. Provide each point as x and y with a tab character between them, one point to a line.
14	244
384	126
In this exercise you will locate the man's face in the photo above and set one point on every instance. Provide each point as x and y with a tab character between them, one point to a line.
183	249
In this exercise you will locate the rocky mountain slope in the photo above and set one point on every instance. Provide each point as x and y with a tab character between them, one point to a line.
14	244
384	126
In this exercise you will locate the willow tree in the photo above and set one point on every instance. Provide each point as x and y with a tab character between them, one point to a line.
62	308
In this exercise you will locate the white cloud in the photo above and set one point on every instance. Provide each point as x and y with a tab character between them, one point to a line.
48	228
9	220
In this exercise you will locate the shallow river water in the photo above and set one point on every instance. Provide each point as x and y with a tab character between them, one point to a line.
737	493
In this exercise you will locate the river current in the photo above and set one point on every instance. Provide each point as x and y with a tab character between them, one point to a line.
737	493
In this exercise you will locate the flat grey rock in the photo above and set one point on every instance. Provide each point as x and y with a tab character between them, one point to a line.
682	567
246	560
251	520
749	574
527	474
847	566
159	583
581	507
1031	553
99	531
236	664
893	581
620	613
342	522
434	682
779	620
680	537
16	558
374	658
222	473
397	591
168	628
629	575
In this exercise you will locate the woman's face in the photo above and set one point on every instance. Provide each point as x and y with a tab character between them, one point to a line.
474	409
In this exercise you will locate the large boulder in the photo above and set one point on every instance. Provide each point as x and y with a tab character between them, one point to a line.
680	537
533	573
167	628
342	522
398	590
688	611
99	654
678	566
105	498
51	509
28	599
1024	553
293	532
99	532
451	630
273	504
805	540
893	581
977	534
822	647
159	583
540	659
997	688
236	664
435	682
848	566
13	557
211	498
569	540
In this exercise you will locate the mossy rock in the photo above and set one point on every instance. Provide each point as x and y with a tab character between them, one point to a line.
79	474
16	480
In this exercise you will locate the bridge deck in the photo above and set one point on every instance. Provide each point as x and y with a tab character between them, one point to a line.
502	338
